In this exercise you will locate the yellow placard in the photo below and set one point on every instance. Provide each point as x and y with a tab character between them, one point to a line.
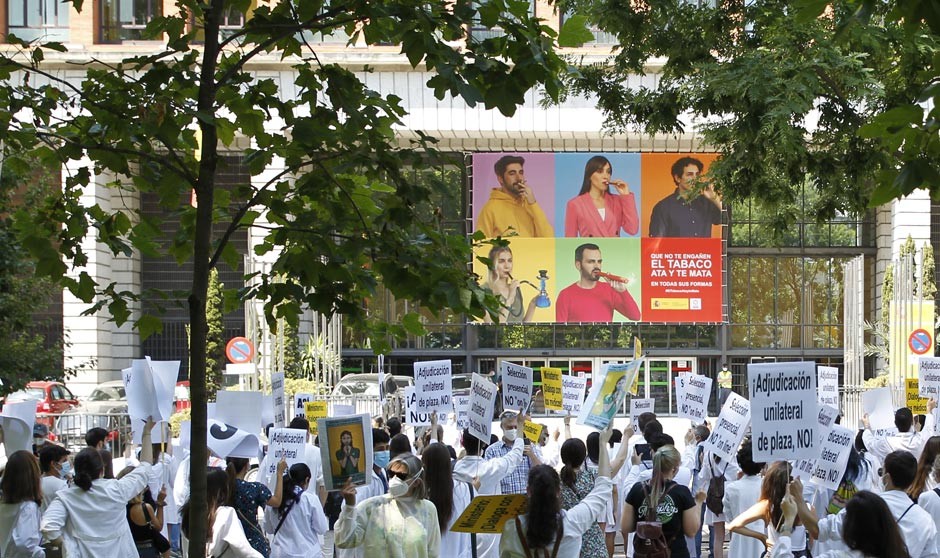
637	355
315	410
532	431
551	388
915	402
487	514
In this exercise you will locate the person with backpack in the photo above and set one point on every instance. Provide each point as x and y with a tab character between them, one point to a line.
545	529
662	512
298	521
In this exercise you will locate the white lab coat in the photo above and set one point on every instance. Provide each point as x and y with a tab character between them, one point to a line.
740	495
784	549
93	524
457	545
489	472
299	536
881	446
50	487
19	531
375	488
930	501
228	537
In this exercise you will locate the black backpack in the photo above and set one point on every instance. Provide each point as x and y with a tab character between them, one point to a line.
716	490
649	541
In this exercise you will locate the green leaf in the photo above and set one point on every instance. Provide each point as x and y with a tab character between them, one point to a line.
147	325
574	32
412	323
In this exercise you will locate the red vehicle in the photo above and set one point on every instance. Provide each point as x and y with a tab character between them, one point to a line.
50	398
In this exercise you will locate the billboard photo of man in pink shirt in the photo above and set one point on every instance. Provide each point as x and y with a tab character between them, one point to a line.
589	299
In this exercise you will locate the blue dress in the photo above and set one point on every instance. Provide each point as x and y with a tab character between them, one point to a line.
249	496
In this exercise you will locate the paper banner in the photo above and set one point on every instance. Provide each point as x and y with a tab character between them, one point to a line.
241	409
833	458
928	374
695	391
413	416
280	404
517	385
637	408
18	419
828	384
532	431
314	411
551	388
226	440
879	407
487	514
572	388
913	400
299	400
480	412
804	468
730	428
462	406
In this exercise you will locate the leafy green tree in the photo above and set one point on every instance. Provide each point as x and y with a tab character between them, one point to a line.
215	335
842	92
340	214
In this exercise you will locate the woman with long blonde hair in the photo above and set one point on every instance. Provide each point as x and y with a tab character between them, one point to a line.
507	288
662	499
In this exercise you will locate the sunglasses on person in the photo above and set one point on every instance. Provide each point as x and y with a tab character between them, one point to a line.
402	476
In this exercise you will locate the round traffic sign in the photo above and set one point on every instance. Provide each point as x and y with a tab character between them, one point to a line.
240	350
920	341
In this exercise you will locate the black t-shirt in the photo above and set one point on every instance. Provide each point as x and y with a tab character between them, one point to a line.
668	512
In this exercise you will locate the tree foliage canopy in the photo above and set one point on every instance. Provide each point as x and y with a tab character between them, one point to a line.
842	92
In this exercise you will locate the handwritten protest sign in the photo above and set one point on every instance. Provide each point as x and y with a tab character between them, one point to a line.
480	411
487	514
804	468
532	431
433	387
551	388
287	443
607	394
413	415
461	406
314	411
637	408
914	401
517	385
834	457
928	375
784	411
879	407
828	384
280	405
696	390
730	427
572	388
300	399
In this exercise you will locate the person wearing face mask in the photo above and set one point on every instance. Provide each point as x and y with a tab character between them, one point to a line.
56	472
377	486
400	524
90	517
515	482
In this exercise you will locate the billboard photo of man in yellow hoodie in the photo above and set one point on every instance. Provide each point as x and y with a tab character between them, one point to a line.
512	207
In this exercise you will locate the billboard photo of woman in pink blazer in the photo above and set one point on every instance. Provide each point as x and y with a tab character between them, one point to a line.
598	212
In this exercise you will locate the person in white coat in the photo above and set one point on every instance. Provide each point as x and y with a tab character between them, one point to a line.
868	530
19	508
906	438
91	517
546	529
739	496
486	475
296	525
225	536
450	498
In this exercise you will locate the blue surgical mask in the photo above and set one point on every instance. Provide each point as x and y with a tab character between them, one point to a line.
66	470
381	459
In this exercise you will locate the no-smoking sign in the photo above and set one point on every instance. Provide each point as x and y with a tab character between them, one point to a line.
920	341
240	350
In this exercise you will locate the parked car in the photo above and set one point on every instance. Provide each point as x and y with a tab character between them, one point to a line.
51	398
461	383
105	407
367	384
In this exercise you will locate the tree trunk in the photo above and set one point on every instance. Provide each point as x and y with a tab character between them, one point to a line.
202	245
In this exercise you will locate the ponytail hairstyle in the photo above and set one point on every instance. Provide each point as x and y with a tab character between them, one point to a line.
573	452
926	467
20	481
292	488
544	493
666	461
88	467
594	447
216	496
440	482
233	466
773	489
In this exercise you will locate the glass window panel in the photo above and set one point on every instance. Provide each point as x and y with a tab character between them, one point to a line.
659	386
16	15
596	336
486	336
761	284
789	290
567	336
740	290
762	335
538	336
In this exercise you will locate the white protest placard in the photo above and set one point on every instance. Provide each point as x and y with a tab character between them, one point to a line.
287	443
462	406
804	468
517	385
280	405
267	409
18	419
608	393
434	386
159	434
730	427
149	386
828	385
784	411
480	410
928	376
343	410
637	408
833	457
186	435
299	400
226	440
879	407
695	393
241	409
413	416
572	394
164	373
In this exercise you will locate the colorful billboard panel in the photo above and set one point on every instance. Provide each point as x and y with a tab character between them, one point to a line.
600	237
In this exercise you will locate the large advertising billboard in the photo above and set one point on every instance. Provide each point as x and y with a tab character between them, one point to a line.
600	237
